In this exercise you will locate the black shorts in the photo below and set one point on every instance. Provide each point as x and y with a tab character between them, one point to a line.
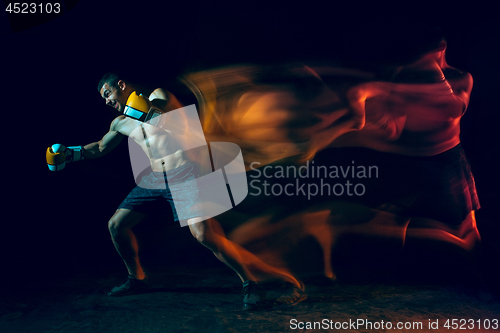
152	194
439	187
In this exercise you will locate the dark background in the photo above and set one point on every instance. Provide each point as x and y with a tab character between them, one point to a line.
55	224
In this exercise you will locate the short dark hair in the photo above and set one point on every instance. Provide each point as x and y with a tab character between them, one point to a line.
429	39
110	78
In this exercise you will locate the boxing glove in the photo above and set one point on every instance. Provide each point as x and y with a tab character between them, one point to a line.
140	108
58	155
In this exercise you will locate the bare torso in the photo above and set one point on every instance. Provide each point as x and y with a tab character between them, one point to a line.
163	150
419	115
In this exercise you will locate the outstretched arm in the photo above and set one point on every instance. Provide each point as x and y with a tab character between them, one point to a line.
109	142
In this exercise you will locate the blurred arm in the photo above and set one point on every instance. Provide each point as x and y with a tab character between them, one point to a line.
461	84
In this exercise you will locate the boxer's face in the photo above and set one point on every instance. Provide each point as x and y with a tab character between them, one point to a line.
115	97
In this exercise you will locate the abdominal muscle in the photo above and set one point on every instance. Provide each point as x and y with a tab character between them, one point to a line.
162	150
169	162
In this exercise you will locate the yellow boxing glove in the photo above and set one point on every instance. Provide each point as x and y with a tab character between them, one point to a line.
140	108
58	155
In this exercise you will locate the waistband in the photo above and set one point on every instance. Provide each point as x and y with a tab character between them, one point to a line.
183	173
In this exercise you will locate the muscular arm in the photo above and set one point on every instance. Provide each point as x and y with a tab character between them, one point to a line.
109	142
164	100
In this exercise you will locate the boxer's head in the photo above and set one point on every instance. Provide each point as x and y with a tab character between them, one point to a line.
115	91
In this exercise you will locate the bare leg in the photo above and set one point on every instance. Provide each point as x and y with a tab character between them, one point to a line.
120	227
207	232
210	234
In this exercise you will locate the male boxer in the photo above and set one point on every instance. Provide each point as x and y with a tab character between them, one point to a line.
136	206
412	128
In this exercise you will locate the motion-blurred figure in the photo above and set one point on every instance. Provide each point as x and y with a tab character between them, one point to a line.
407	124
417	115
412	133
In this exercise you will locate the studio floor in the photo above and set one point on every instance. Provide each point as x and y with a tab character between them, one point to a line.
208	299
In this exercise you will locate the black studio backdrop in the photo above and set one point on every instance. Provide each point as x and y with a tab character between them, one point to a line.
58	221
